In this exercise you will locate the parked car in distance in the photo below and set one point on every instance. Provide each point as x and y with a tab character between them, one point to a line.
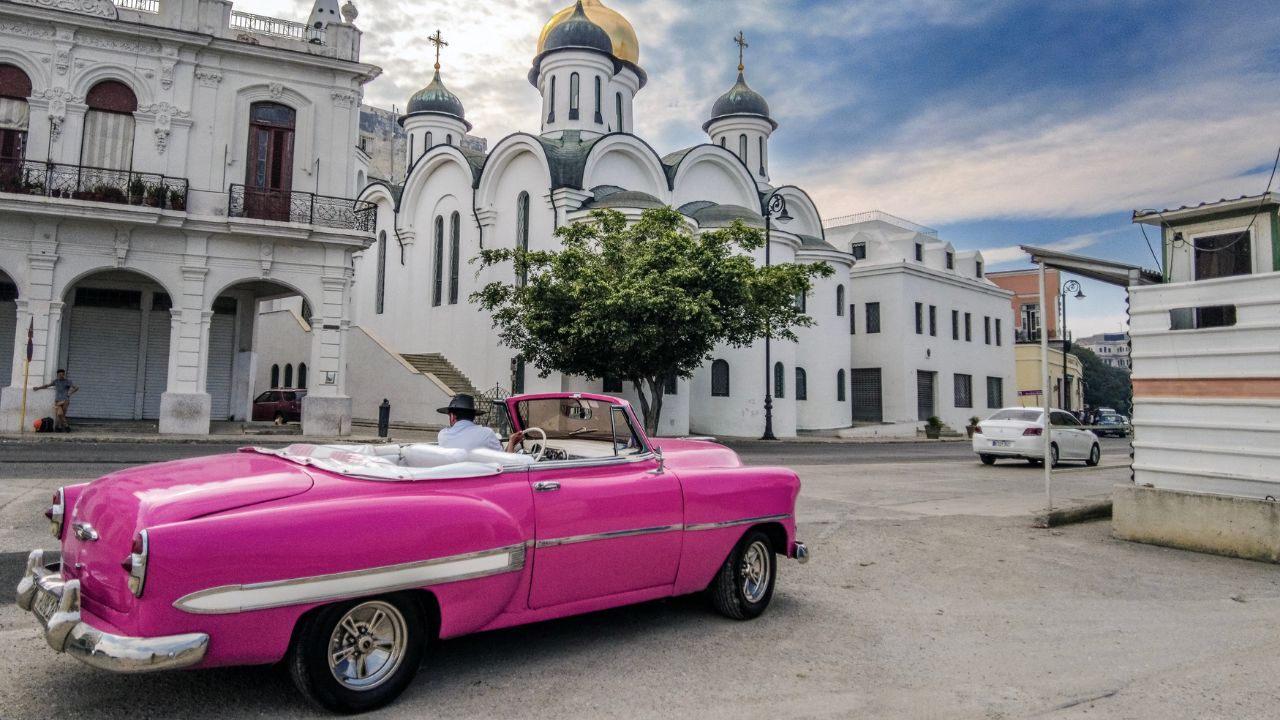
280	405
1111	426
350	562
1019	433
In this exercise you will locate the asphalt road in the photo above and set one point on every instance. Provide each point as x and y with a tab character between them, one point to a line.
929	596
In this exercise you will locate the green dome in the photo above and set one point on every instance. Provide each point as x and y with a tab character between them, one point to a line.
436	98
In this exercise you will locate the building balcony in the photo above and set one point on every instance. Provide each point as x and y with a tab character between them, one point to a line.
303	208
79	182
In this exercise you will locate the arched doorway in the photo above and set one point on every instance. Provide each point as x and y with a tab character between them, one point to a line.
271	343
8	329
115	340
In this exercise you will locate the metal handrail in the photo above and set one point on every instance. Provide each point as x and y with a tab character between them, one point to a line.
302	207
81	182
146	6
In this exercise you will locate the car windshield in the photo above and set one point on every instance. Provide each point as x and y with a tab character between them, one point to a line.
1029	415
577	418
1109	420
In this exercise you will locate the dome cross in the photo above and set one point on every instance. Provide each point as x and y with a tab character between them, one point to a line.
741	40
439	42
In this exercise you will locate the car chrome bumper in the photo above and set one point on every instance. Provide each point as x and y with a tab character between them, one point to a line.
56	604
802	553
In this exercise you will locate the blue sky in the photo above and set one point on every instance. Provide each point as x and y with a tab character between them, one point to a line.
997	122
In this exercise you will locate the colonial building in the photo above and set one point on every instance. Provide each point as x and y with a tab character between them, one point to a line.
413	285
1066	372
932	335
165	165
1111	348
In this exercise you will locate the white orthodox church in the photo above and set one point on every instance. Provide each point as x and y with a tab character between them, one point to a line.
412	285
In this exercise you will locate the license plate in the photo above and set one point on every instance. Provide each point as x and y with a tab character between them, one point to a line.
1001	443
45	605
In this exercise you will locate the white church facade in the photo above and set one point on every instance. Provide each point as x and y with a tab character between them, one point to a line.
166	165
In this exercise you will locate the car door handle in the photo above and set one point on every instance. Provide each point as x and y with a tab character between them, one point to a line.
546	486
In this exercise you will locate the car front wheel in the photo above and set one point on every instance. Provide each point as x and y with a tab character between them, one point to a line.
1053	454
358	655
744	586
1095	454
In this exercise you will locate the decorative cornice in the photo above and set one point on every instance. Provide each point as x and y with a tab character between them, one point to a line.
208	77
122	44
26	29
97	8
342	98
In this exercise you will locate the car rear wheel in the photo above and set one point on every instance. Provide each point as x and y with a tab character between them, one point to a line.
1053	454
1095	454
744	586
987	459
358	655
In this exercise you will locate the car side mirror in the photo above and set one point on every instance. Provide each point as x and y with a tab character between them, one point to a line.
662	462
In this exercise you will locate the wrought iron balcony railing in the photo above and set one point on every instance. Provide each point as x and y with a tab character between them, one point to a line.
146	6
78	182
302	207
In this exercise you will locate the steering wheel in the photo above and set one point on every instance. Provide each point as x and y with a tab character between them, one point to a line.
538	448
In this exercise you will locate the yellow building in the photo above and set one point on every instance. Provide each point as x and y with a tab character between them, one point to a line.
1067	396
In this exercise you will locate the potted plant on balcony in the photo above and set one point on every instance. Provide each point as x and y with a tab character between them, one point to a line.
177	201
155	196
109	193
933	427
137	191
972	426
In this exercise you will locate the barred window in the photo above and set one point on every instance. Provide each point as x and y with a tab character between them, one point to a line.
933	320
995	392
381	289
919	318
779	380
437	278
455	246
955	324
964	390
840	300
873	317
858	250
840	386
802	384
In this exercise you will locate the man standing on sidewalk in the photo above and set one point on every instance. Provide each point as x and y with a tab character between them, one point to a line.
63	389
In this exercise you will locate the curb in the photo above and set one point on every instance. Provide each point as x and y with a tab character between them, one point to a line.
1067	516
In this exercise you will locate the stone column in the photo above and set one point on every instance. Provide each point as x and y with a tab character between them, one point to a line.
326	409
35	303
185	406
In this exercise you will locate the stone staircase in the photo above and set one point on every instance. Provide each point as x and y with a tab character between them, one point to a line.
439	366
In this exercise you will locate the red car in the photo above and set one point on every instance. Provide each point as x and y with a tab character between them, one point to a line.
280	406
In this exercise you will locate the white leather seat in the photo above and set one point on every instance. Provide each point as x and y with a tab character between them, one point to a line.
505	459
423	455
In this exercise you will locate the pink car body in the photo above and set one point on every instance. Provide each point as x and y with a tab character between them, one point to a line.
235	549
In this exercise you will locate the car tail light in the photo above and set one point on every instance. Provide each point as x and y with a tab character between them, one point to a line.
977	429
1035	432
55	512
136	563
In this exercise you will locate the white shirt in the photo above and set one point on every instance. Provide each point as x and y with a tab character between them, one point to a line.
466	435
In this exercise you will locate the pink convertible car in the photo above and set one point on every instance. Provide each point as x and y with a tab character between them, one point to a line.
350	561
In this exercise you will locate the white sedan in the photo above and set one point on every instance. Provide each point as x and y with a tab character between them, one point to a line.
1019	433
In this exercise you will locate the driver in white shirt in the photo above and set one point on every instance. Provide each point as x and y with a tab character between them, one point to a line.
464	434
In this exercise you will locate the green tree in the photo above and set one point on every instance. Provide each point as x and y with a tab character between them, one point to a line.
642	301
1104	386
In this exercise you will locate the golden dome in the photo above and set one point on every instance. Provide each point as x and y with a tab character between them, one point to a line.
625	45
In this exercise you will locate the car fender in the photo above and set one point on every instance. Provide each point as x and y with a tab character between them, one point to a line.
272	564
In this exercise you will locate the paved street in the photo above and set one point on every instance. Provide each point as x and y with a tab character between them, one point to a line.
929	595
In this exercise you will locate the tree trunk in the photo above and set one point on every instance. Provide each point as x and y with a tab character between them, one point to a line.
651	411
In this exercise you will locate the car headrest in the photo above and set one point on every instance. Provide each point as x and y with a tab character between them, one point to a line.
424	456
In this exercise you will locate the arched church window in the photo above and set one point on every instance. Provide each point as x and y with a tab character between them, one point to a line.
840	386
448	139
522	230
411	157
802	384
720	379
840	300
617	99
722	142
599	112
573	96
762	172
551	102
275	376
742	147
455	242
779	380
430	140
108	126
15	88
288	375
437	279
302	376
381	287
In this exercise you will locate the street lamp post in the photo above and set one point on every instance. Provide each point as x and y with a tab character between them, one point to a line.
1070	286
774	206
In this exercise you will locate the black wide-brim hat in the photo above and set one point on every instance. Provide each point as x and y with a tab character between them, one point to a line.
461	402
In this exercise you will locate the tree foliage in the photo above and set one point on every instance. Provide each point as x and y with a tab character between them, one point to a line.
642	301
1104	386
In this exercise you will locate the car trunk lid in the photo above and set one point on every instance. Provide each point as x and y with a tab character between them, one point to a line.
116	507
1004	429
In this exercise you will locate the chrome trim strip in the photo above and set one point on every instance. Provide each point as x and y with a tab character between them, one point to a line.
732	523
574	539
322	588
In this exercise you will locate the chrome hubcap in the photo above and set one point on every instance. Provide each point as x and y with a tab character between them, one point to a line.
368	645
755	571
